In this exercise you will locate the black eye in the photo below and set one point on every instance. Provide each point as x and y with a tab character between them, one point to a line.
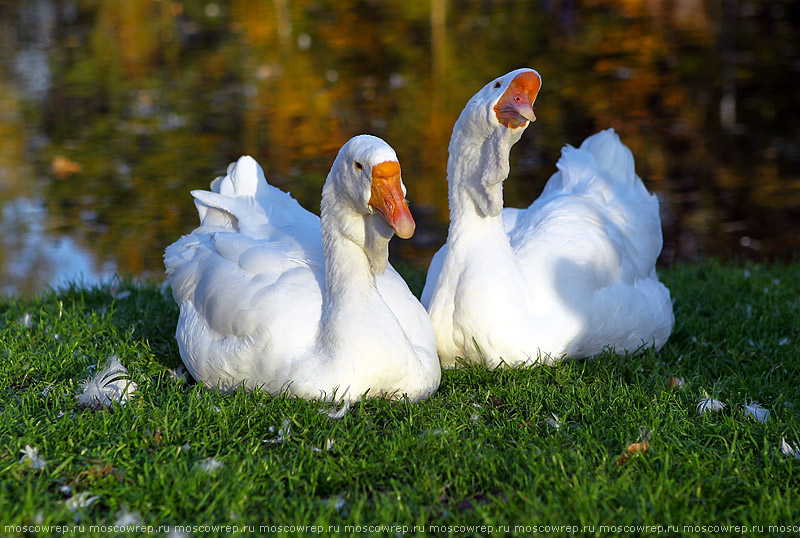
497	84
358	165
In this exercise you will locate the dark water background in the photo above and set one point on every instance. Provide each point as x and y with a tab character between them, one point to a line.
111	112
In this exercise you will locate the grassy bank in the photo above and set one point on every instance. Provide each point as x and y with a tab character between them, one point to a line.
544	446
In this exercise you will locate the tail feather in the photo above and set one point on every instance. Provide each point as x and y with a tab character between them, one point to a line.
227	211
577	173
611	154
215	216
601	174
243	200
245	178
602	165
233	196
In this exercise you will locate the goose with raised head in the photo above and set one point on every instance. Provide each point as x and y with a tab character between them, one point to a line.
272	296
571	275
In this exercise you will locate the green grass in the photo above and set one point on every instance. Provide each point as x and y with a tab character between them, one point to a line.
479	452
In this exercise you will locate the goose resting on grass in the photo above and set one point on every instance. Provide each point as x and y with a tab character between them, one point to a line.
570	275
272	297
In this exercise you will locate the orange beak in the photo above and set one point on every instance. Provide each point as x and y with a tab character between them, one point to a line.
515	107
387	198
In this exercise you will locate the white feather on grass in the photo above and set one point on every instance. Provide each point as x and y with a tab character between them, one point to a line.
179	374
328	446
125	518
555	422
26	320
790	450
337	413
47	389
337	503
209	465
83	499
709	404
31	457
754	409
283	433
112	384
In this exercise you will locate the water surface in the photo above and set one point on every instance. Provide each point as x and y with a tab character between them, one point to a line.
111	112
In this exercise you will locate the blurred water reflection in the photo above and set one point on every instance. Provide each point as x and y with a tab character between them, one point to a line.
110	112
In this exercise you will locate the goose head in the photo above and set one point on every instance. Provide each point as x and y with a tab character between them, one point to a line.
367	179
514	108
364	201
505	103
491	122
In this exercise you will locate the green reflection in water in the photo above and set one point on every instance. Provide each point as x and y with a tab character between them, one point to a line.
110	112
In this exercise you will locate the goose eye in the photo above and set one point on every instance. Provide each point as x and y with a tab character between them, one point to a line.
359	165
497	84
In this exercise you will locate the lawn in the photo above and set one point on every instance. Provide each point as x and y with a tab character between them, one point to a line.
594	447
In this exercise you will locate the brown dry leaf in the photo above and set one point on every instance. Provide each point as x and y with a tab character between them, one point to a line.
98	470
633	448
63	167
675	382
496	402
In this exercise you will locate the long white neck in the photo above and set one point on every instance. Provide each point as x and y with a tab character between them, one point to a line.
476	168
356	249
359	334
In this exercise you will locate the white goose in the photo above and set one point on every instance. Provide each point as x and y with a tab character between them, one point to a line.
269	298
570	275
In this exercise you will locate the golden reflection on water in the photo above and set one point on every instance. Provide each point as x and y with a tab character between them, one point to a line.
111	112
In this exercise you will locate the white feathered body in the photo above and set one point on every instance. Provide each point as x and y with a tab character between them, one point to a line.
571	275
251	282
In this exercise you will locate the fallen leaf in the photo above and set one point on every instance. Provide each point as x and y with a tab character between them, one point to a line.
497	403
156	437
633	449
99	469
676	382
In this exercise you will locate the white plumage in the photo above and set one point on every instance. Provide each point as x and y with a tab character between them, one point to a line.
112	384
572	274
271	297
